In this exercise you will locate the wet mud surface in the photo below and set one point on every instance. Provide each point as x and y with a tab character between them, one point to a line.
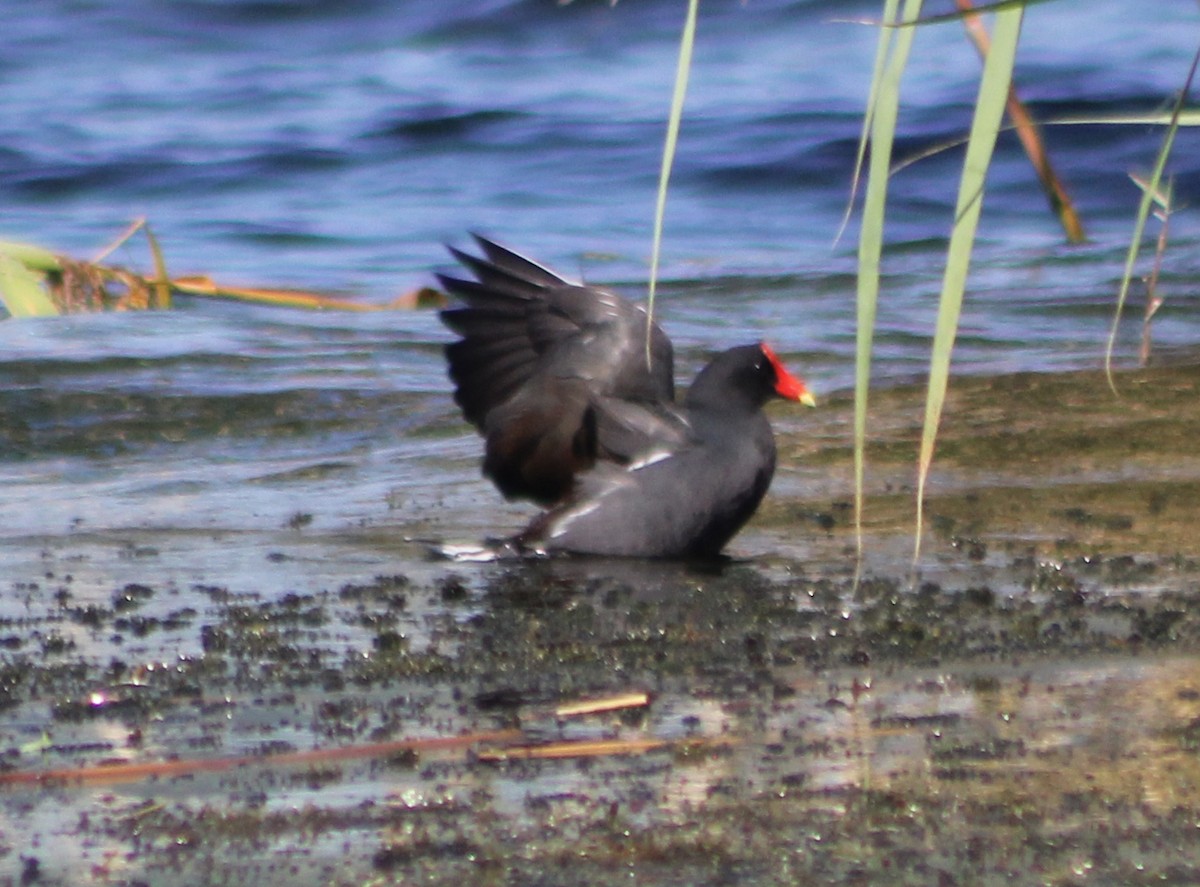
1022	707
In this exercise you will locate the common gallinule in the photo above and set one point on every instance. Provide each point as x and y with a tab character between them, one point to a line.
578	416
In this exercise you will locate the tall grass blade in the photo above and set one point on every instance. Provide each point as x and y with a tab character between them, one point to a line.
877	74
1149	190
684	67
989	114
1184	118
35	258
891	58
22	291
1154	301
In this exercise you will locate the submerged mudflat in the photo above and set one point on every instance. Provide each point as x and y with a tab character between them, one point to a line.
1023	705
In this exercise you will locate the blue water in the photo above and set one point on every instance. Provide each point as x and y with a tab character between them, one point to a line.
338	146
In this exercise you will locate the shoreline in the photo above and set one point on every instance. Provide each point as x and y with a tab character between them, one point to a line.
1027	702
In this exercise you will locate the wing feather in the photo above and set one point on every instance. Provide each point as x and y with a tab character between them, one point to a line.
553	373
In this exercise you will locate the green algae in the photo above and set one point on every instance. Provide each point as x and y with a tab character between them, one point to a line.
1054	459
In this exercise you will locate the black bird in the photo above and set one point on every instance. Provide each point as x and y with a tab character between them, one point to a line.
579	416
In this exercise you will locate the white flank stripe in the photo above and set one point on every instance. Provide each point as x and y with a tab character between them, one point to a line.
560	526
586	507
650	459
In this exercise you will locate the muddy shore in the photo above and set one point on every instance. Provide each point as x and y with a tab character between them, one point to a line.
1021	707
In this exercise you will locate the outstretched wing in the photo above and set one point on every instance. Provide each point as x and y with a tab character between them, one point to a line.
553	373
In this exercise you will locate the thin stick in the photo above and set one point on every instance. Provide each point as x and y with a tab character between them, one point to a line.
592	748
114	773
597	706
1030	136
134	226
